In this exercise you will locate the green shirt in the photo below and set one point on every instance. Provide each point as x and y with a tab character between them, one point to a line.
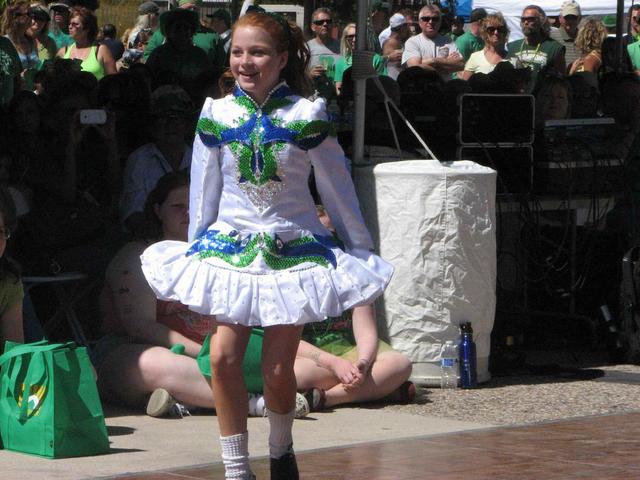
187	65
534	57
205	39
343	63
634	54
468	43
61	39
10	67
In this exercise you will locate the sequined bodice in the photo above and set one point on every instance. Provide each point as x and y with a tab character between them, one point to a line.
264	159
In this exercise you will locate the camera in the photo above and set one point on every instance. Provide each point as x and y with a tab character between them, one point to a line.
93	117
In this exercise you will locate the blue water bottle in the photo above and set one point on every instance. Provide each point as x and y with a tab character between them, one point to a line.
467	351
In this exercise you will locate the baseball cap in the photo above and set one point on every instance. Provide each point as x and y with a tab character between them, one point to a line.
171	99
221	14
609	21
147	8
477	14
380	5
570	7
60	5
197	3
39	12
170	16
397	20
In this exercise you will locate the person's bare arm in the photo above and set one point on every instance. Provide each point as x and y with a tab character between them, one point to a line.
453	63
365	332
11	327
105	57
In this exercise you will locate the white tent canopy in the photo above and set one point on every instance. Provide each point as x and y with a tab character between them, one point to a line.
512	10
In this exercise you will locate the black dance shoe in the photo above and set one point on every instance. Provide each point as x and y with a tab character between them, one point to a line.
285	467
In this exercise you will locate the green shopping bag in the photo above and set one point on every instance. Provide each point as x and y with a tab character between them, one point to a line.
49	403
250	365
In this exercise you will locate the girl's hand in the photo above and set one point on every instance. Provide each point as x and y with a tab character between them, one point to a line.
344	370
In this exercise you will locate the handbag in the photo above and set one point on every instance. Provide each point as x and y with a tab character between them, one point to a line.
251	365
49	402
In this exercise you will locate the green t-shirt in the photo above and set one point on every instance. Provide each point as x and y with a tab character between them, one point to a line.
61	39
188	65
10	67
205	39
534	57
343	63
634	54
468	43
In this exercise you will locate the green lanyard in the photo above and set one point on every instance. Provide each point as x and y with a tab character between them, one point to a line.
535	53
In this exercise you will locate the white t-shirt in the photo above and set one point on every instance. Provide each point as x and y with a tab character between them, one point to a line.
421	46
478	63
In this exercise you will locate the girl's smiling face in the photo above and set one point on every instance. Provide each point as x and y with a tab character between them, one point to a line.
255	62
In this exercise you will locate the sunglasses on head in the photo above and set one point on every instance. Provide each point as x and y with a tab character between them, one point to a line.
496	30
323	22
430	19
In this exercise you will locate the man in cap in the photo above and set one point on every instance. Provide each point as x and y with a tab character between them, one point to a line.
376	23
430	50
220	22
171	112
178	57
536	50
59	27
393	46
570	15
204	38
470	41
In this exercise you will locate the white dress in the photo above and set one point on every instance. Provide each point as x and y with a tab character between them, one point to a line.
257	254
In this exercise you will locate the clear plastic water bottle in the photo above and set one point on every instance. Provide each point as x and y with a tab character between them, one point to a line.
449	366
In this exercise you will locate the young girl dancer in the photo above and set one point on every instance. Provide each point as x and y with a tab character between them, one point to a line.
258	255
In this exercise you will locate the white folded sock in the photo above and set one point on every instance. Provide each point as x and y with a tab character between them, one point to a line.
235	456
280	437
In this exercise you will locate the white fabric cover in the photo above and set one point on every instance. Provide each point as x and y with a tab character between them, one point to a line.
436	225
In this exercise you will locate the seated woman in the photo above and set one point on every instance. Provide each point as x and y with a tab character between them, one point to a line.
367	371
134	358
11	290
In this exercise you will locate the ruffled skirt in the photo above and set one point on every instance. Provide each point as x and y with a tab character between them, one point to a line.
264	279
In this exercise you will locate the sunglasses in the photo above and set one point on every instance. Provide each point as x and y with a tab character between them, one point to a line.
496	30
528	19
323	22
636	19
350	37
430	19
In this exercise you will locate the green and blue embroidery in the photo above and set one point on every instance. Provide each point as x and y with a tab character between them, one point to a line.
241	251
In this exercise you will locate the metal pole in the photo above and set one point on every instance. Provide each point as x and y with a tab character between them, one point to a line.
360	85
619	33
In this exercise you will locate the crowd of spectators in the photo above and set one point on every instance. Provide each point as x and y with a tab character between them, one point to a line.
93	118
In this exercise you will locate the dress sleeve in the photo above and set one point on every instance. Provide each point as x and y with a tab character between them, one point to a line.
336	189
206	184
